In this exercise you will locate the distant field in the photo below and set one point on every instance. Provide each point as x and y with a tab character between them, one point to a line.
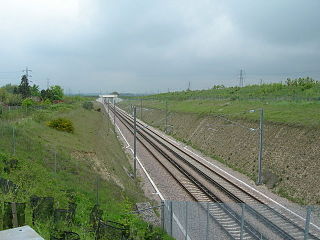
289	104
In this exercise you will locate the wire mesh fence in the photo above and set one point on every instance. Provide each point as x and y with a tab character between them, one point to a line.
207	220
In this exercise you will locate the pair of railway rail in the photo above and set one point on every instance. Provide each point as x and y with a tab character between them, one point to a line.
228	199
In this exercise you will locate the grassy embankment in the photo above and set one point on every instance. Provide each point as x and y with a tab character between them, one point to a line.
289	104
54	164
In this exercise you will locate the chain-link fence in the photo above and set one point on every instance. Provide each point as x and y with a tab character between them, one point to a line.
207	220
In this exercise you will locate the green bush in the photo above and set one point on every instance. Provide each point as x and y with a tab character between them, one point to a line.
28	102
47	101
13	99
62	124
7	162
87	105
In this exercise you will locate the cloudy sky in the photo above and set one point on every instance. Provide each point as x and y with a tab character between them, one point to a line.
150	46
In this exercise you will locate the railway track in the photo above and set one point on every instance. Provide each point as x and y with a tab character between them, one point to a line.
206	185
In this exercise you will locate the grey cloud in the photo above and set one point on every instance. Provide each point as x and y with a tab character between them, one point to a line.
138	46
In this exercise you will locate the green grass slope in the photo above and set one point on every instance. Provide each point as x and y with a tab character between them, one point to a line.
297	102
56	164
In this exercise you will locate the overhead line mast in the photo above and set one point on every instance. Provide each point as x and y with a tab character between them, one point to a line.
27	72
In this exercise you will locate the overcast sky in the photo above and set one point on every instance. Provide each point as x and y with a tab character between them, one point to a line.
156	45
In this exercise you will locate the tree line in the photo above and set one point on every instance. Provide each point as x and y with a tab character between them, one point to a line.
24	93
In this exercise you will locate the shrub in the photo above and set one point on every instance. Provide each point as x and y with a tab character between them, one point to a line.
8	162
27	102
13	99
62	124
87	105
47	101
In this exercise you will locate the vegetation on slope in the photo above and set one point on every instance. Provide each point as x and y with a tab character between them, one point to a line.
64	165
296	102
293	89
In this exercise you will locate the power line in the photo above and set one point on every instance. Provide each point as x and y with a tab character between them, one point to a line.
9	72
282	73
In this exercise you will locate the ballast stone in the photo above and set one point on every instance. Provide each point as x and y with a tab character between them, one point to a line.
148	215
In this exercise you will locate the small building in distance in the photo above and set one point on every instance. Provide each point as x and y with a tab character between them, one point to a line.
108	98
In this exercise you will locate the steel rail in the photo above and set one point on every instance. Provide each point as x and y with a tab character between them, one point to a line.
236	217
275	227
174	177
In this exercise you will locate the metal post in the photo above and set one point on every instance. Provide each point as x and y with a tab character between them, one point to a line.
308	217
259	181
114	114
242	220
171	217
108	106
166	126
186	228
162	214
108	118
135	143
207	230
55	161
14	140
14	215
97	190
141	109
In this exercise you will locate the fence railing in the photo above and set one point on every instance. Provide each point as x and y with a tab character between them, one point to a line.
206	220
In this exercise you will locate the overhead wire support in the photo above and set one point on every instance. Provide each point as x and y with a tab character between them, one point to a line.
241	78
135	143
27	72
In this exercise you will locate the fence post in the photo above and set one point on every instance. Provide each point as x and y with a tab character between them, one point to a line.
306	230
55	161
97	193
14	140
162	214
242	221
186	228
171	217
141	109
207	230
14	215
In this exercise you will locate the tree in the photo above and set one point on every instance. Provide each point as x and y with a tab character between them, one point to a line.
57	92
46	94
34	90
24	88
10	88
52	93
